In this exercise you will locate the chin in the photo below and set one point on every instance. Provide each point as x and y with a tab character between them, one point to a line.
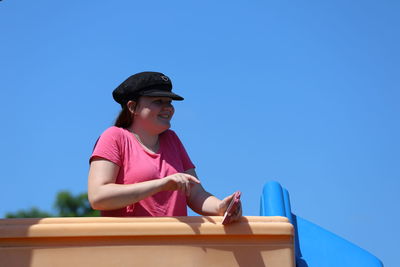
164	127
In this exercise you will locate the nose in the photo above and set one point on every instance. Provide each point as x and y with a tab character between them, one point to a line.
168	105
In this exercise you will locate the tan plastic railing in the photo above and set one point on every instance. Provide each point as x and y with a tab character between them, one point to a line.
167	241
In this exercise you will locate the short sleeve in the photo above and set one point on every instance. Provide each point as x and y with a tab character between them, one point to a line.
108	146
186	161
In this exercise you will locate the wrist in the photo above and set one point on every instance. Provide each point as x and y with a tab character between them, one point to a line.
163	184
221	210
219	207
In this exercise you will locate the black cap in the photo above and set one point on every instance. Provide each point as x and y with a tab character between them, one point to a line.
144	84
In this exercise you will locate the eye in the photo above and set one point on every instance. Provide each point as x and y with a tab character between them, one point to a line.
161	102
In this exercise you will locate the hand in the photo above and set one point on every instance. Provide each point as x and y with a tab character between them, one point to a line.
236	213
180	181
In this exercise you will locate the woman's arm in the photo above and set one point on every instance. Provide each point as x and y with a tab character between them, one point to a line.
204	203
105	194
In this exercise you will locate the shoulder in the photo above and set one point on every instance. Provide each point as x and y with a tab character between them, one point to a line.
110	145
169	134
114	134
172	138
114	131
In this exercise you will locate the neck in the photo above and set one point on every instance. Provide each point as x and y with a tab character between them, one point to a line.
149	140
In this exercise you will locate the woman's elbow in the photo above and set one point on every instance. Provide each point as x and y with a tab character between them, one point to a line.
94	201
94	204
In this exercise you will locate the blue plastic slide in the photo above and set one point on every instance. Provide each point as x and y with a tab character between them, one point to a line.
314	246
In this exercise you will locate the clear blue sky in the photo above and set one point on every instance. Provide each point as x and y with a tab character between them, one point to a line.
303	92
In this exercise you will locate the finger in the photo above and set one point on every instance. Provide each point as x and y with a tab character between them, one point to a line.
227	200
188	187
180	184
236	215
239	213
231	196
223	206
184	185
193	179
235	218
238	210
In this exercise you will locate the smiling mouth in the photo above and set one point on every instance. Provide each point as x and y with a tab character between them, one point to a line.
165	116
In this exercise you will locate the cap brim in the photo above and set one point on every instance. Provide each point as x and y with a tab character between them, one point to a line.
164	94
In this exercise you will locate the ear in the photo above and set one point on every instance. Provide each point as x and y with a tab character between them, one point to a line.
131	106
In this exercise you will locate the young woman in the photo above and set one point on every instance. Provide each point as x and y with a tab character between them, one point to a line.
139	167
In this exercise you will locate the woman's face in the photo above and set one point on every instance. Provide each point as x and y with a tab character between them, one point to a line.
154	114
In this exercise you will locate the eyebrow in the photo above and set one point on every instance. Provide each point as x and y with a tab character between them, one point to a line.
162	100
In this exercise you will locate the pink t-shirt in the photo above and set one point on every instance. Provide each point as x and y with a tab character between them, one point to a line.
137	165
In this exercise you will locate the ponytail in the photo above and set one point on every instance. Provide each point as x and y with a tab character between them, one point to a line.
124	119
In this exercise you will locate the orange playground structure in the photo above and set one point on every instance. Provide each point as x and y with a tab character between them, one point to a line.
163	241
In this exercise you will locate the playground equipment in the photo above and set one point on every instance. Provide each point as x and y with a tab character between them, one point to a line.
278	238
163	241
314	246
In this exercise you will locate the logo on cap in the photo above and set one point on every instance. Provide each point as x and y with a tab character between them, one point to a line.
165	78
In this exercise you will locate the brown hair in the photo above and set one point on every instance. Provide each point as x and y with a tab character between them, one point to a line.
125	117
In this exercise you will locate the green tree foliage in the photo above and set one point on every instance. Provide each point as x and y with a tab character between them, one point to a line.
73	206
31	213
66	205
